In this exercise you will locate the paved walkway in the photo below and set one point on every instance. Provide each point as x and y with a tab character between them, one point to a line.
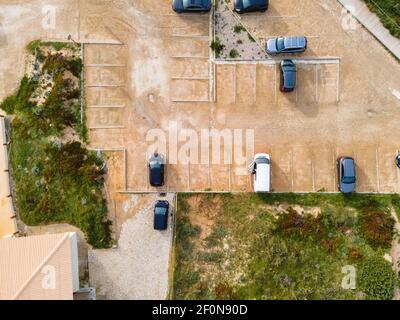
371	21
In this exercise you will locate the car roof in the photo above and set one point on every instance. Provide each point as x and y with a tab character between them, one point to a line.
262	184
348	167
294	42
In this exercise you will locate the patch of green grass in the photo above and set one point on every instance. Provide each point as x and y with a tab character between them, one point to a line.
285	254
388	12
56	181
377	278
34	45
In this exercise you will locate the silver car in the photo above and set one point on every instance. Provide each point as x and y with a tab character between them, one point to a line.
286	45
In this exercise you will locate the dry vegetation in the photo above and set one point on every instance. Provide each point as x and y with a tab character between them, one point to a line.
282	246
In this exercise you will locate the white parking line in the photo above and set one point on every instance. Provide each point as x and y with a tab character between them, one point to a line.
313	175
316	83
378	184
291	169
338	83
276	83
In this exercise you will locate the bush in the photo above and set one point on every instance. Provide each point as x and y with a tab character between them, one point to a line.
239	28
234	54
377	227
217	46
377	279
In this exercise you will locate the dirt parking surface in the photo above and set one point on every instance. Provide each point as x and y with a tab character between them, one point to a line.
138	267
342	106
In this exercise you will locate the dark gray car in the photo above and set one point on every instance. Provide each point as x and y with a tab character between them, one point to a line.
347	174
156	170
286	45
288	76
191	5
242	6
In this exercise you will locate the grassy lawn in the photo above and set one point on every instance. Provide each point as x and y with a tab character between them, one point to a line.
56	178
283	246
389	13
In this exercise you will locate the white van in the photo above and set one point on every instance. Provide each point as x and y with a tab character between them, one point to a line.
261	173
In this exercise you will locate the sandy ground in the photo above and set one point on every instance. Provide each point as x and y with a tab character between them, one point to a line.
138	268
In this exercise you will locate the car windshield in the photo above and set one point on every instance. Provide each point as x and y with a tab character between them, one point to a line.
348	180
160	210
280	44
192	3
262	160
247	4
155	164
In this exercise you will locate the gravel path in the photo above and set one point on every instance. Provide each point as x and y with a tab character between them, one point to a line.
138	268
239	45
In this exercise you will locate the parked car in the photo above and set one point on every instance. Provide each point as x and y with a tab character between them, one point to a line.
288	76
286	45
346	174
242	6
180	6
156	170
161	211
398	160
261	173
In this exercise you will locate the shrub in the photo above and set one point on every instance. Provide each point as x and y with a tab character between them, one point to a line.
239	28
234	54
217	46
376	278
377	227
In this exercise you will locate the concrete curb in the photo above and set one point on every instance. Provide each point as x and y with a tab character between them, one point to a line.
372	23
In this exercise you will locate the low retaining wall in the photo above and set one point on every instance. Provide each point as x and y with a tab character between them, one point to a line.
8	223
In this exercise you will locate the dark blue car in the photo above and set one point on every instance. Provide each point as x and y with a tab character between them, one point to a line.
191	5
161	210
156	170
288	76
242	6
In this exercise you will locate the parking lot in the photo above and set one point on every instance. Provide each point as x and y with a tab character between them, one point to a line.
149	68
340	106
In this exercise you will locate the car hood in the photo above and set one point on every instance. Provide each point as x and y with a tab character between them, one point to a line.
271	45
347	187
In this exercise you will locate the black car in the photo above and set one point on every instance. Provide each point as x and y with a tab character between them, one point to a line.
156	170
161	210
288	76
286	45
242	6
346	174
191	5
